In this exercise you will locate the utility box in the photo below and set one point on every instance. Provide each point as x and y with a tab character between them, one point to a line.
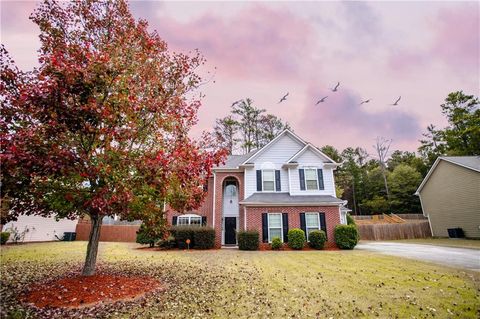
69	236
455	233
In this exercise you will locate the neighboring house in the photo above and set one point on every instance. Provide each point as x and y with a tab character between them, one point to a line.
37	228
450	195
286	184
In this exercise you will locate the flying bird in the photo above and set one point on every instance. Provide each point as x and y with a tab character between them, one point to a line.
335	89
284	98
321	100
396	102
366	101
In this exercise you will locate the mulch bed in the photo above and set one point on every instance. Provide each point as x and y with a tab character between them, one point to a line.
81	291
287	248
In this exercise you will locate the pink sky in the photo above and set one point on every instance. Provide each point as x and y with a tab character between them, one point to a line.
377	50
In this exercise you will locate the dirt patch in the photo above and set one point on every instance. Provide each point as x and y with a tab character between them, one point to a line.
77	292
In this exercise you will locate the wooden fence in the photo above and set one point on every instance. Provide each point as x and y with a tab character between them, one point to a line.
420	229
117	233
403	216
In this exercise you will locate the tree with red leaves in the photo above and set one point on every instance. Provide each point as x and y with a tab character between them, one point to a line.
101	127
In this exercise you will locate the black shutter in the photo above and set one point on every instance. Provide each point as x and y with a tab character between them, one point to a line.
285	227
323	225
265	227
174	220
321	185
277	181
301	172
303	224
259	180
204	220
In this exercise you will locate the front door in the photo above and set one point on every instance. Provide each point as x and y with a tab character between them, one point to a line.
230	230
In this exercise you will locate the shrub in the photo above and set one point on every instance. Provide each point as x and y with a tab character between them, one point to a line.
182	233
276	243
203	237
350	220
145	236
296	238
317	239
346	236
248	240
5	235
167	243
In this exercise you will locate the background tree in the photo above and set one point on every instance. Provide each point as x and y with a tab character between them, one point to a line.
107	116
225	133
461	136
382	147
247	128
404	181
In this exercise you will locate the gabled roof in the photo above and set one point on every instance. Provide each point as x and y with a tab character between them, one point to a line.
315	150
469	162
285	199
261	150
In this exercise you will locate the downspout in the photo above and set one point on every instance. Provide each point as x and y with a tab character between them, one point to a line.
244	218
214	198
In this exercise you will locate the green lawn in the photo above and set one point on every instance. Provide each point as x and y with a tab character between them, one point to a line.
457	242
236	284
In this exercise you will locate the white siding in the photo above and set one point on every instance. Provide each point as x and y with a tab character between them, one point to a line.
327	180
275	156
42	228
279	152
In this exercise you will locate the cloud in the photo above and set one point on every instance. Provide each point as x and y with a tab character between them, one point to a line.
341	121
257	40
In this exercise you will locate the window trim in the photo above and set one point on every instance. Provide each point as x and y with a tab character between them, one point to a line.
274	181
189	218
305	169
269	227
306	223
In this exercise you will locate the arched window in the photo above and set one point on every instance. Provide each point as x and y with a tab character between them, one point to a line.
189	219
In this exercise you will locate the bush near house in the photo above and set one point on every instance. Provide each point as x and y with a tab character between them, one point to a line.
296	238
317	239
276	243
248	240
167	243
144	236
204	237
346	236
5	235
181	234
350	220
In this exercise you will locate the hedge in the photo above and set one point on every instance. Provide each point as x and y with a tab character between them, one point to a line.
181	234
350	220
204	237
276	243
5	235
296	238
317	239
248	240
346	236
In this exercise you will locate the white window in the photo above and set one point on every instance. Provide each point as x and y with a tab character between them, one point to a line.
312	222
311	179
189	219
275	227
268	180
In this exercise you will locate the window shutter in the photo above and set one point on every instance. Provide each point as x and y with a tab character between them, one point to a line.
265	227
323	225
204	220
321	185
303	224
285	227
174	220
301	172
278	181
259	180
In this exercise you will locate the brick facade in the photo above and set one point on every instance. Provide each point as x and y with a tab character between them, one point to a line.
332	218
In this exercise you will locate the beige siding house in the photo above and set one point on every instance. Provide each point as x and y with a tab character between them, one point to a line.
450	195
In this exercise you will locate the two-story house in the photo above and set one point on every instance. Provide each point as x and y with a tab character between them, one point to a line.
286	184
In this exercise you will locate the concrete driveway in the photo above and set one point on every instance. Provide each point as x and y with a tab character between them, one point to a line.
447	256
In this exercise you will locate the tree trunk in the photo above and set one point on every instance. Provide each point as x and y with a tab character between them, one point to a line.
92	248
